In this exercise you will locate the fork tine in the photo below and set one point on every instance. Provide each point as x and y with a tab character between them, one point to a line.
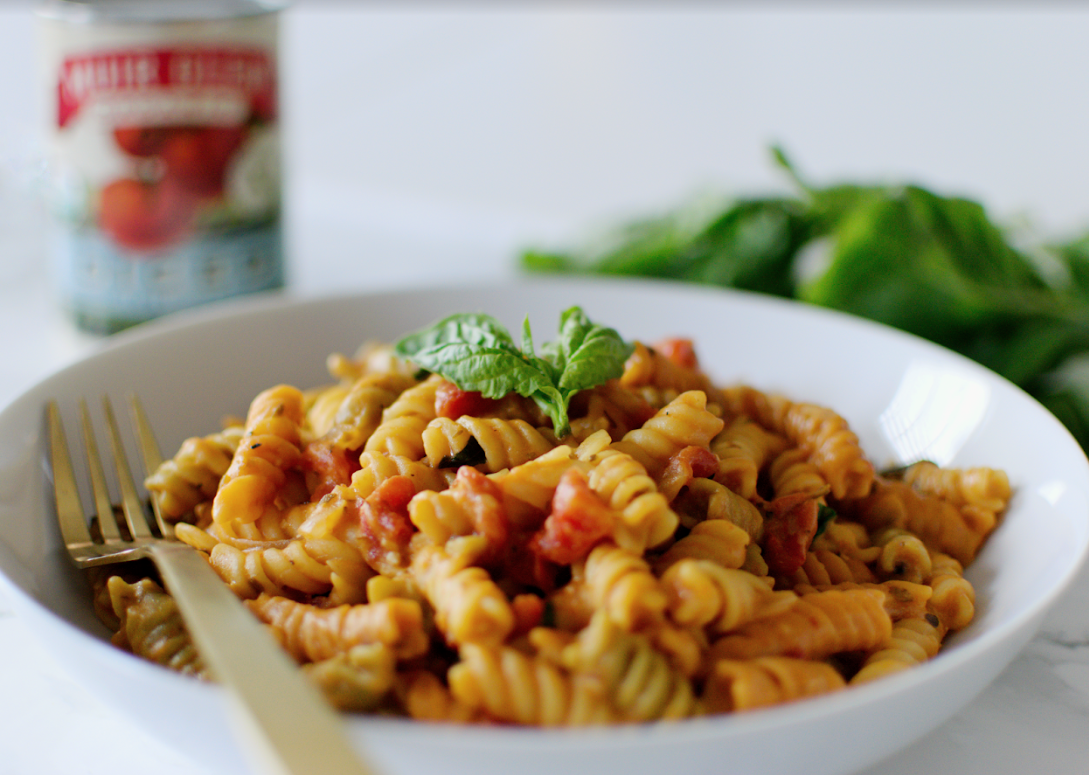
73	525
151	456
107	522
130	501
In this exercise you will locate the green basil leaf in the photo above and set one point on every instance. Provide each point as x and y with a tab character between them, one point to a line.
467	328
476	353
554	404
592	353
825	515
527	339
491	371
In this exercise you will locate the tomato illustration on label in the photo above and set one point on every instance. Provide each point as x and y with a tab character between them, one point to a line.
157	208
143	216
197	158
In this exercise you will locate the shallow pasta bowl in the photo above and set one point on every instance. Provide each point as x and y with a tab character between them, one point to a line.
905	398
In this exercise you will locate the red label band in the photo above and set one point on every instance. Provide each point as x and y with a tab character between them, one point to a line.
135	71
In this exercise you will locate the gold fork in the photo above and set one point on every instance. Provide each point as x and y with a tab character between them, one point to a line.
284	723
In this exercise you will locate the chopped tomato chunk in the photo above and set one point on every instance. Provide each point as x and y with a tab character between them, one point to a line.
384	524
680	351
453	402
688	464
327	467
789	531
579	519
482	499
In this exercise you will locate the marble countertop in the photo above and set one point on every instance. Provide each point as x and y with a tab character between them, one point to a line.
434	143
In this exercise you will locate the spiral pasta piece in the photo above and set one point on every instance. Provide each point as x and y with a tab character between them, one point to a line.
903	555
651	366
831	445
359	412
312	634
834	448
522	689
300	565
823	567
791	472
358	679
266	453
717	540
817	626
620	583
621	481
937	522
903	599
400	431
980	494
768	409
739	685
473	504
504	443
640	682
847	539
469	606
912	642
704	594
954	597
984	488
707	499
192	476
684	422
744	448
151	627
377	467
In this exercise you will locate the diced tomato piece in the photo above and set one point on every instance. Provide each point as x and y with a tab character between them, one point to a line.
680	351
328	467
453	402
483	501
789	531
384	523
688	464
579	519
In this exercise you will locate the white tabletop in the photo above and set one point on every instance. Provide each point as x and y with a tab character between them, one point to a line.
435	142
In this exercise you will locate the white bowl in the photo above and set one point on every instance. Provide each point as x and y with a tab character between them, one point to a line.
904	397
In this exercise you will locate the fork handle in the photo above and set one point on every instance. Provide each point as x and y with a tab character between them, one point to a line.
286	725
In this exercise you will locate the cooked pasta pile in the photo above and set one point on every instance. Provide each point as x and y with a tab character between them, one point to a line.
688	549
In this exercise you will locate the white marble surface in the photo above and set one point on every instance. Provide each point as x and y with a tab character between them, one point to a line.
433	142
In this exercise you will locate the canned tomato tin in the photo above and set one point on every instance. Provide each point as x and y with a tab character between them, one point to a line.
164	154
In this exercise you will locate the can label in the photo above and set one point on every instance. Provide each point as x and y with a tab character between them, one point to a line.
165	178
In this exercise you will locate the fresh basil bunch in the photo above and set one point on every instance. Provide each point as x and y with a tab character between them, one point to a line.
935	266
475	352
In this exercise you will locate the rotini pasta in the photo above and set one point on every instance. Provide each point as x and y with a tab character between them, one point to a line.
192	476
150	626
676	549
736	685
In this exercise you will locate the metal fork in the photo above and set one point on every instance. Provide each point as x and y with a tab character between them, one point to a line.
284	723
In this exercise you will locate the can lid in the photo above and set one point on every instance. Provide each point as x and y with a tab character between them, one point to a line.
146	11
